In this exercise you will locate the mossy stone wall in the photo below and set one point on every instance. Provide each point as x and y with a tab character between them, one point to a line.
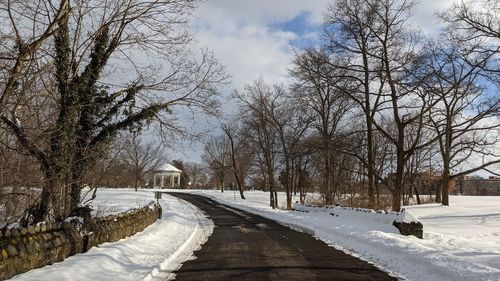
26	248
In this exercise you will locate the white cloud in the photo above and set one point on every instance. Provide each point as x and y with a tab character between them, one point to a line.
249	51
425	16
260	10
239	32
242	37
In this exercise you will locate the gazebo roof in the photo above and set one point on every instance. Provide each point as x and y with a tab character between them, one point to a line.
168	168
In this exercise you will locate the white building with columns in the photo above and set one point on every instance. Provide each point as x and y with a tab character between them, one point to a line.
166	176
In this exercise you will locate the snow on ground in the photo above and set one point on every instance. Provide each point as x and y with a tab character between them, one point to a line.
149	255
113	201
461	242
469	227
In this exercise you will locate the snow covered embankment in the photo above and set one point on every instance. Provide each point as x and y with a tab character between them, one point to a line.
404	221
152	254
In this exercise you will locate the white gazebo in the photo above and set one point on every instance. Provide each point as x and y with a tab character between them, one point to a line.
166	176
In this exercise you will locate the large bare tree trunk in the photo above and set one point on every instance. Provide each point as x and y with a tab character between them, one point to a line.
398	182
327	184
288	187
445	180
438	191
43	206
445	189
370	162
229	134
221	184
270	175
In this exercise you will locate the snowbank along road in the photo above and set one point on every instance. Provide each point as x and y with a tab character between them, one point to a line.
245	246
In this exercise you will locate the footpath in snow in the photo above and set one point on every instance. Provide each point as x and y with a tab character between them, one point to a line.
149	255
461	242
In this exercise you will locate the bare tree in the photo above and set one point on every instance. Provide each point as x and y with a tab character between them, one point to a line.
400	81
476	25
142	157
316	89
29	26
377	60
217	156
270	104
256	103
195	172
91	45
464	119
352	45
470	20
234	144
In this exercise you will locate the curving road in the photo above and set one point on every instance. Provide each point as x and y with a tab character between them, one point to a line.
245	246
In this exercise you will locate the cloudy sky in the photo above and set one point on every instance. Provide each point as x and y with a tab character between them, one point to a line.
257	38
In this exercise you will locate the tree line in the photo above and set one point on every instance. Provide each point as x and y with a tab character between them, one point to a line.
376	108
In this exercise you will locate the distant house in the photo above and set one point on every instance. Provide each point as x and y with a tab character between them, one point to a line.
166	176
475	186
426	182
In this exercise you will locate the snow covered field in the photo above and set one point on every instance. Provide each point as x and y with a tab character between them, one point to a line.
149	255
469	228
461	242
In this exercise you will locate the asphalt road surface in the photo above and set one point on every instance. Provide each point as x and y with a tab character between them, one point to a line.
245	246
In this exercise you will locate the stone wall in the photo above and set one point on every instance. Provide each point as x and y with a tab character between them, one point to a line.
410	228
23	249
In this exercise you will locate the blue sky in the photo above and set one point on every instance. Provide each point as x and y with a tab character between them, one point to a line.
302	26
299	24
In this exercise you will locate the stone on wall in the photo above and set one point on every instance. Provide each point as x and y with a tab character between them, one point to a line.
410	228
408	224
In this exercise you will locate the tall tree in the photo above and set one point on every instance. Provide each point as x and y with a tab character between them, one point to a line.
234	145
216	154
377	57
318	91
400	82
256	102
88	39
352	44
270	104
464	119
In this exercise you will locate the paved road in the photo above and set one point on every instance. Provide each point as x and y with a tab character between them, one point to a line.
244	246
